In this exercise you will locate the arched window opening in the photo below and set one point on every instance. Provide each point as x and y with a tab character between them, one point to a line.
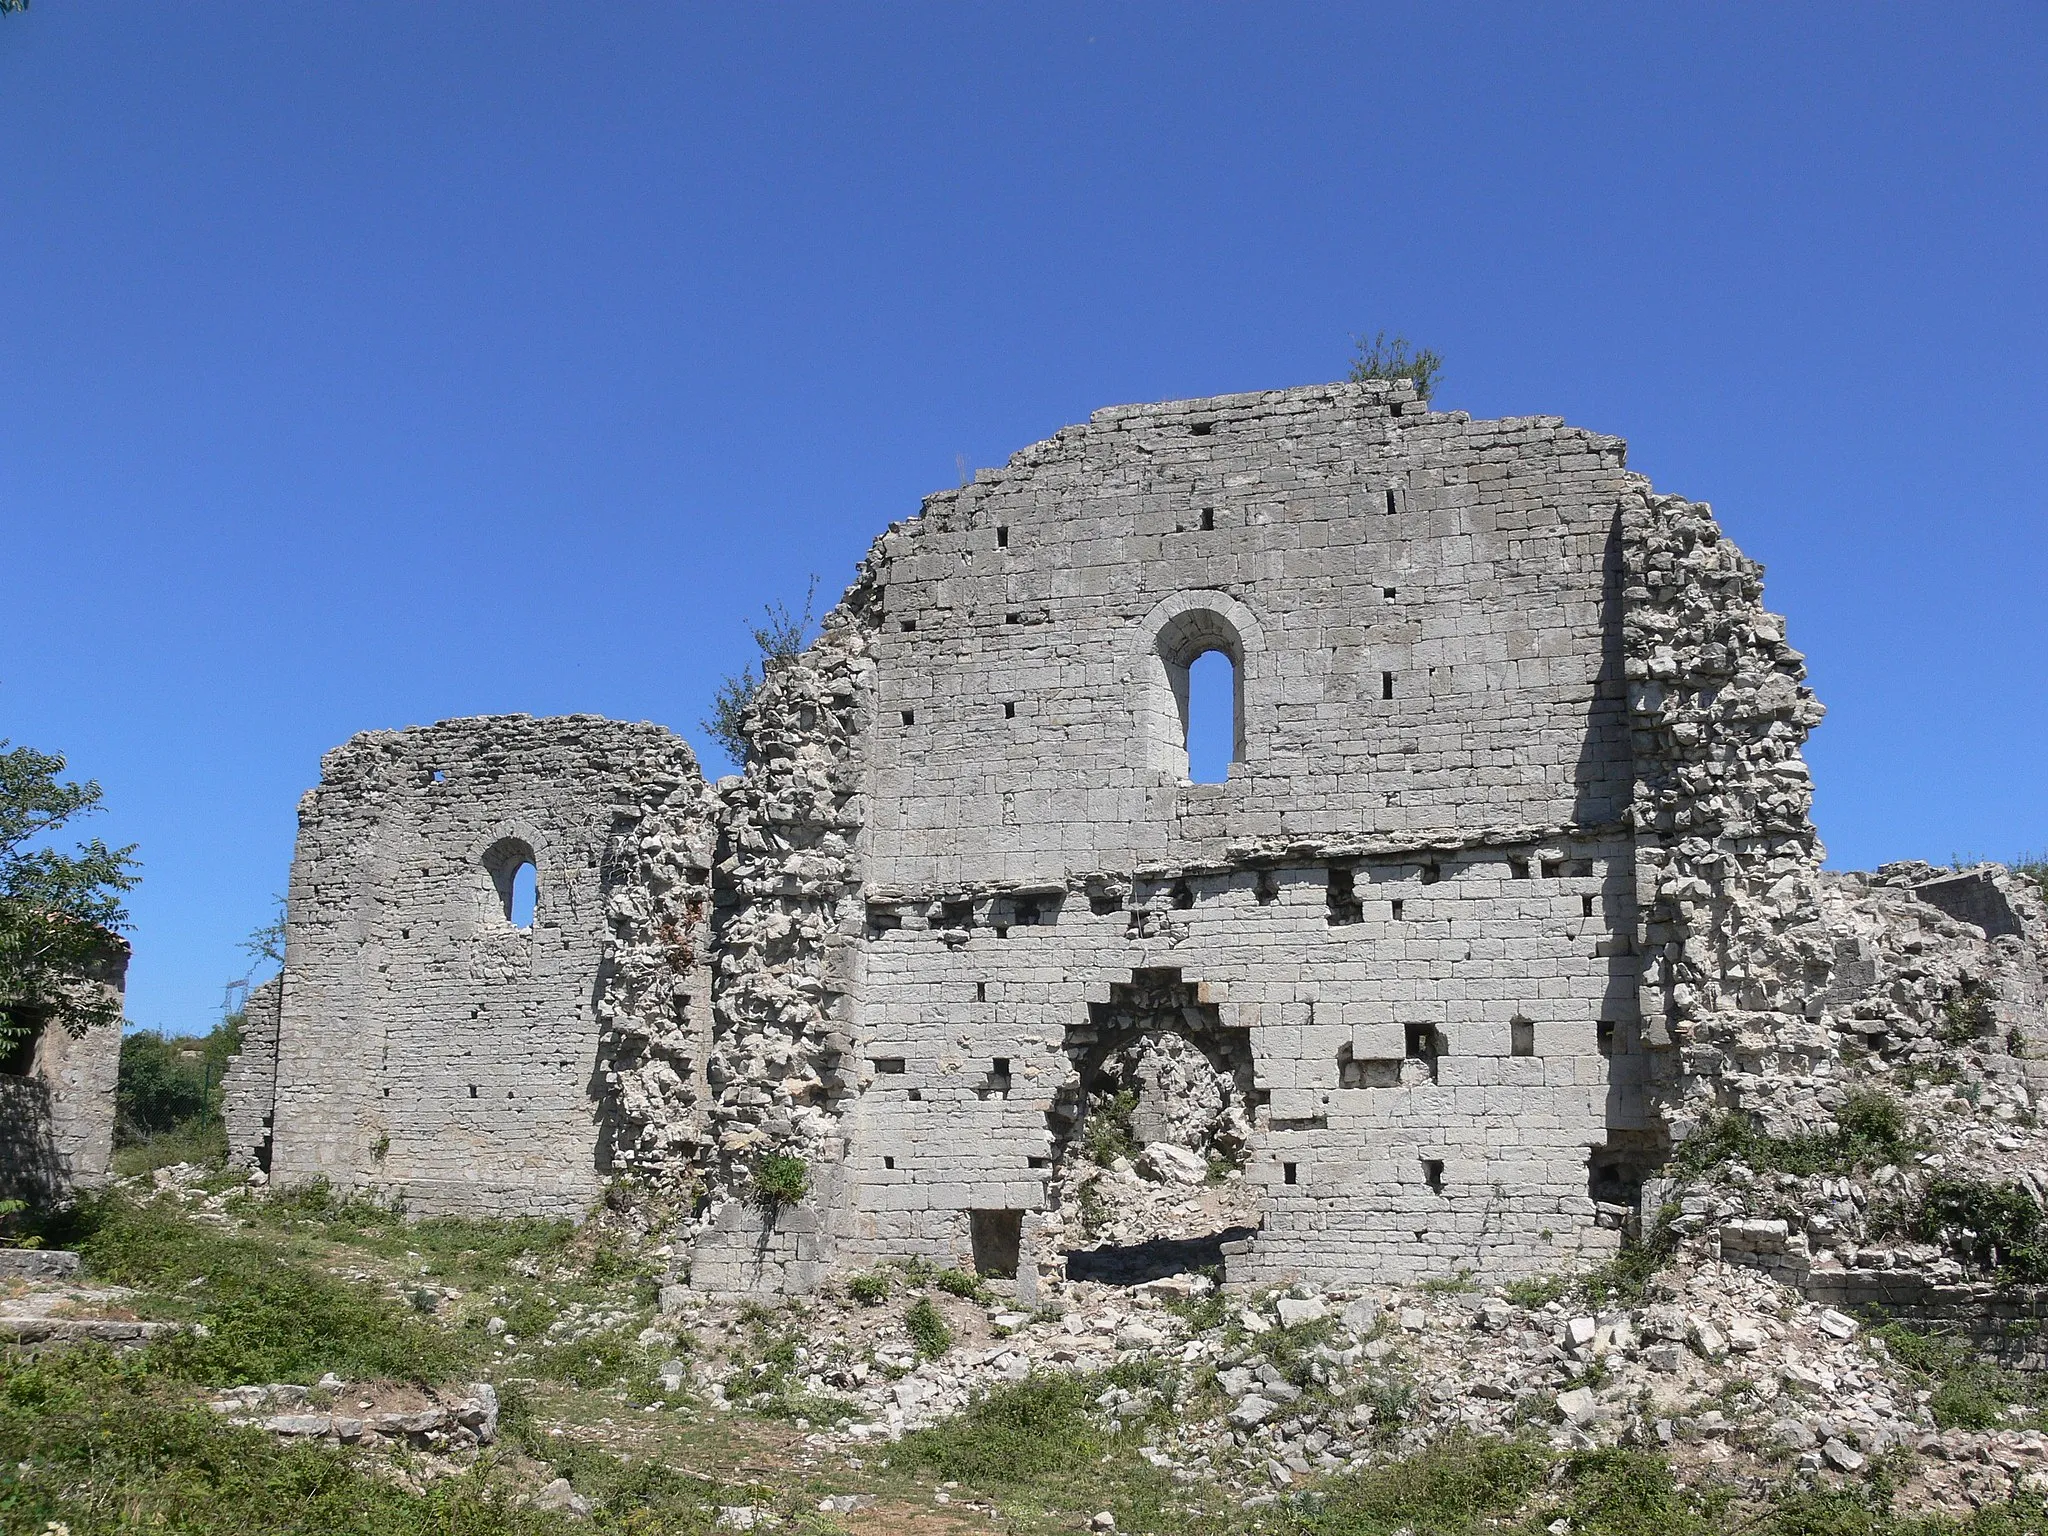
1211	717
1192	716
525	886
515	878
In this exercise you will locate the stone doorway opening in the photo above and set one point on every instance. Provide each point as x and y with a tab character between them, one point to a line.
1151	1132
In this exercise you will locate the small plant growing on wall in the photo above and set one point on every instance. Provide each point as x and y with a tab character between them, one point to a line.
1379	358
781	1179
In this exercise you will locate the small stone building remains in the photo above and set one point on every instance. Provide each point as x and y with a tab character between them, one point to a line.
1511	877
57	1098
433	1041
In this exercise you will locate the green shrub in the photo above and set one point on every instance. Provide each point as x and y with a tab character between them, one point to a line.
1537	1290
1038	1427
1380	358
869	1290
955	1282
167	1098
781	1179
1965	1016
1109	1134
1996	1228
928	1330
1870	1130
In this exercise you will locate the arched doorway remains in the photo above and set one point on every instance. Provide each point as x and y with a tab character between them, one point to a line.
1150	1134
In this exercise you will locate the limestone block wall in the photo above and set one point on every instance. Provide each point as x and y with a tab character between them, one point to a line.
1423	838
1369	1164
249	1086
57	1105
429	1047
1421	609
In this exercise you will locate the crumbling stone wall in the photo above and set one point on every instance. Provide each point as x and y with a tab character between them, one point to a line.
789	932
248	1089
429	1047
1735	971
57	1098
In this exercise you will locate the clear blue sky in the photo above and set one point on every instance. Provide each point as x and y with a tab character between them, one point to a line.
370	364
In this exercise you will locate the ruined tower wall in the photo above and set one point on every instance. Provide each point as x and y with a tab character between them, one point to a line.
428	1046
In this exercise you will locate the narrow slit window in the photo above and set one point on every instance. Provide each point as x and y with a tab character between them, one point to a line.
1586	906
1289	1172
1603	1036
1212	717
1386	685
1400	909
1009	710
1522	1037
1208	519
981	991
1433	1174
1391	508
1002	537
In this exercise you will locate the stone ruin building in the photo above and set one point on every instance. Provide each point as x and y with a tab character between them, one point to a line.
1510	881
57	1090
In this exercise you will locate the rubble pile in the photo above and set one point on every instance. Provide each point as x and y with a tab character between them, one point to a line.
367	1415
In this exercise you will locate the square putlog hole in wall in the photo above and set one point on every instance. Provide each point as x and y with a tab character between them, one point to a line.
998	1238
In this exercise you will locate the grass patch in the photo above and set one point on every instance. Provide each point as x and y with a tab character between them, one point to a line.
1039	1427
1970	1392
1464	1486
870	1290
780	1180
957	1282
91	1442
267	1317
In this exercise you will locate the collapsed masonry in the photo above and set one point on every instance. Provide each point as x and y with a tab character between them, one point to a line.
1511	879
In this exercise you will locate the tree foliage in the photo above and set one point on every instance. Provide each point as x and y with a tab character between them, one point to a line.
1379	358
265	945
56	908
780	636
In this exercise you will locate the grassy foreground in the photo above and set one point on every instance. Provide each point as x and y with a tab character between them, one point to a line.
290	1289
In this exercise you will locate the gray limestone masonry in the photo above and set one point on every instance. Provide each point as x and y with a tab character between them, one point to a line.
57	1097
430	1045
1510	880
